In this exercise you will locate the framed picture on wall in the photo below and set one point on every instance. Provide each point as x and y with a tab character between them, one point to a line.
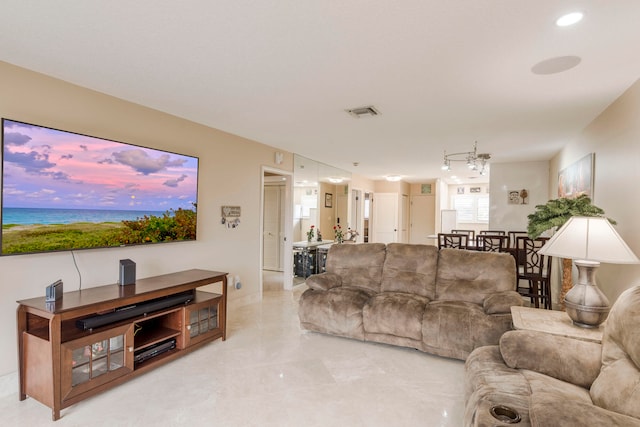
514	197
577	178
328	200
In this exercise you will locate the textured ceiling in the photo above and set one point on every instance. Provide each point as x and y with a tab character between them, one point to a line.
443	74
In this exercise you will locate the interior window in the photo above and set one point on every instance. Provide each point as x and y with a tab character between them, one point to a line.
472	208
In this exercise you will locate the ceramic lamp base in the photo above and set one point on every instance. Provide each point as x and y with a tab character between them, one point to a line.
585	304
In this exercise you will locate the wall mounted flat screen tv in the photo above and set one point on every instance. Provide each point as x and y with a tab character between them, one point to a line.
66	191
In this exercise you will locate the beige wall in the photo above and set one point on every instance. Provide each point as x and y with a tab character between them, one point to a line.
614	137
359	182
416	189
230	174
505	177
399	187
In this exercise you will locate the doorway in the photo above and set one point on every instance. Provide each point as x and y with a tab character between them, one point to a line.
367	216
275	231
273	223
356	217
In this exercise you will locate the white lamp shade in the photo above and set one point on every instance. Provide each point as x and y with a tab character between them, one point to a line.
591	239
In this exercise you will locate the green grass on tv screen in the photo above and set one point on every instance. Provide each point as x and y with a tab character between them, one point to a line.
171	226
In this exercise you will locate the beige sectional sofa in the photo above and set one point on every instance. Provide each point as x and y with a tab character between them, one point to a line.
446	302
558	381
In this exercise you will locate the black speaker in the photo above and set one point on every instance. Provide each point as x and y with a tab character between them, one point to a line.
127	272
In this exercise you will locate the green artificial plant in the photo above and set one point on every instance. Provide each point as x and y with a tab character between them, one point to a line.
555	213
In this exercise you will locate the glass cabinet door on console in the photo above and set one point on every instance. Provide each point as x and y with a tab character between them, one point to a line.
202	317
95	359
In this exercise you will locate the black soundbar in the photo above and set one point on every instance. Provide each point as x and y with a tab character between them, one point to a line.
130	311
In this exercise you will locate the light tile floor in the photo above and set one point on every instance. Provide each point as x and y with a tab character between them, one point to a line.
271	373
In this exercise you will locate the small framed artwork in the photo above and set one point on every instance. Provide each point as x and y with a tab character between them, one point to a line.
328	200
514	197
425	189
460	190
475	190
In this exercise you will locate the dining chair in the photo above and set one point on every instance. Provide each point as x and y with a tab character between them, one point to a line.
453	240
492	243
470	233
534	269
513	235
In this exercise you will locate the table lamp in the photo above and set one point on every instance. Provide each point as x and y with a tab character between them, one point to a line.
588	241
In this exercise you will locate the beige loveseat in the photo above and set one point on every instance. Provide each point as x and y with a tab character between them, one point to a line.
446	302
557	381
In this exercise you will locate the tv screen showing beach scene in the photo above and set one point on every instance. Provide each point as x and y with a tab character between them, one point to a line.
66	191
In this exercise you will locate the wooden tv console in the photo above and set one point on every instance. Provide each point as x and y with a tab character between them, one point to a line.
61	364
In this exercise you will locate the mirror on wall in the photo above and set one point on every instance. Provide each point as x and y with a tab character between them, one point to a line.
320	198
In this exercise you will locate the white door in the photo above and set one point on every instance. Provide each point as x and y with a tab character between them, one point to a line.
273	228
355	222
404	222
422	217
342	207
385	218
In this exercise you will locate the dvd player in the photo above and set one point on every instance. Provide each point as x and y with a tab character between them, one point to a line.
129	311
154	350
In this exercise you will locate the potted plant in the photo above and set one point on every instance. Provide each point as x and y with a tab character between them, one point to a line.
338	233
553	215
311	233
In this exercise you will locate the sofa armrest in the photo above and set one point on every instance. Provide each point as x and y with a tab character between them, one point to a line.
324	281
567	359
501	302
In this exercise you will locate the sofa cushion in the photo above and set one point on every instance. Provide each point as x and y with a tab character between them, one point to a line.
566	359
359	265
548	410
472	276
411	269
561	390
617	388
337	311
455	328
395	313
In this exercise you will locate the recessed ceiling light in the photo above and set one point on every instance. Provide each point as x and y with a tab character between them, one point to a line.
394	178
569	19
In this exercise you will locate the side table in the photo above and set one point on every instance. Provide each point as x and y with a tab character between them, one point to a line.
554	323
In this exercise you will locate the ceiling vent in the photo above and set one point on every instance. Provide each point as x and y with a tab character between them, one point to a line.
368	111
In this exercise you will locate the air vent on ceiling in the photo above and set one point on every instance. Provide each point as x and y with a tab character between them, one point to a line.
368	111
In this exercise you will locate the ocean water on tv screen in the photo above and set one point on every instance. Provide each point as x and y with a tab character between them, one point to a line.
32	216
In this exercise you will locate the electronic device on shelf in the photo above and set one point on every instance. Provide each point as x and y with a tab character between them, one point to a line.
127	272
54	291
130	311
154	350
